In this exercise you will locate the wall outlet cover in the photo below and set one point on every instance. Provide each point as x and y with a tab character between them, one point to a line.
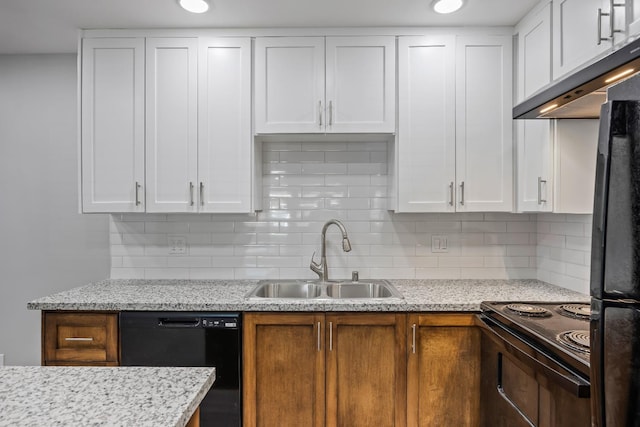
439	244
177	245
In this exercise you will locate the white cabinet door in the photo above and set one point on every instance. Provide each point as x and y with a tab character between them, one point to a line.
425	148
535	165
577	29
224	140
171	140
289	84
360	84
484	140
534	52
112	125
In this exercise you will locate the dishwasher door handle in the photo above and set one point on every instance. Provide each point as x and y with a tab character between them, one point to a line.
179	322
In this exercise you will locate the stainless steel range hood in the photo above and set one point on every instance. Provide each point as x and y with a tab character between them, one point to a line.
580	95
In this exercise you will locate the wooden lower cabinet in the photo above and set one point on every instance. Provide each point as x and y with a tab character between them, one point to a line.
443	370
320	369
283	370
80	338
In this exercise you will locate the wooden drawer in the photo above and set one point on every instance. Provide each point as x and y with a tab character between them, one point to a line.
80	338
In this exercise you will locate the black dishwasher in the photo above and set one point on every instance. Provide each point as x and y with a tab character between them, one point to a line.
190	339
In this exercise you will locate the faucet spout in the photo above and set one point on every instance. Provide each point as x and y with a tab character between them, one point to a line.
321	268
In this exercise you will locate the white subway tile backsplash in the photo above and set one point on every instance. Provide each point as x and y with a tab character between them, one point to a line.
305	184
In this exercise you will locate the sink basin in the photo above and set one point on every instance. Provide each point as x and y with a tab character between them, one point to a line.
366	289
286	289
310	289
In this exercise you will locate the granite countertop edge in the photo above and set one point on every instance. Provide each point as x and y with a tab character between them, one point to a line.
229	295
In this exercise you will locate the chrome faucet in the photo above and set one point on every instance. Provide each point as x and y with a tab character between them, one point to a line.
321	268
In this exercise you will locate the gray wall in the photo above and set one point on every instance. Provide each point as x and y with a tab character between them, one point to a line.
45	245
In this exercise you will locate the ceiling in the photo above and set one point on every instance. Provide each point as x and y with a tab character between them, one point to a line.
50	26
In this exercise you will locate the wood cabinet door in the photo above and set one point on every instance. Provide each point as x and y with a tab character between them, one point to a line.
575	33
443	374
360	84
289	85
283	370
224	139
80	339
484	128
112	125
426	142
171	124
366	370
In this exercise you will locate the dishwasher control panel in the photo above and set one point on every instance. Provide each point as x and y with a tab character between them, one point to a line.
220	322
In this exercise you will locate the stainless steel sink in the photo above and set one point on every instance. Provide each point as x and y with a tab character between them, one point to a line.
366	289
286	289
312	289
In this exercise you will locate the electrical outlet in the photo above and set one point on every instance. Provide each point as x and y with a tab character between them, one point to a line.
177	245
439	244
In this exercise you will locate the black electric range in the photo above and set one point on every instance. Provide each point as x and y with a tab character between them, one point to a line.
560	330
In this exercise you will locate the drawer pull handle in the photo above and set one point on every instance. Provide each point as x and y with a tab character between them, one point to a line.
78	339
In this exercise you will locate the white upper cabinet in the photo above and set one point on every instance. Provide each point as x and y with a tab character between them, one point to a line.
294	95
484	140
454	143
112	125
426	142
289	84
360	84
171	113
534	52
535	165
578	31
224	139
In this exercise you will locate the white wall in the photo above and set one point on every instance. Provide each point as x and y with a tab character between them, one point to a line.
564	250
46	245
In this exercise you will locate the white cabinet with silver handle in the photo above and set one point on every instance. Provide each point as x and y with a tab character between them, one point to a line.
454	145
325	84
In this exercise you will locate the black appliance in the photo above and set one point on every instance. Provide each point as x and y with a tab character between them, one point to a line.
535	364
615	262
190	339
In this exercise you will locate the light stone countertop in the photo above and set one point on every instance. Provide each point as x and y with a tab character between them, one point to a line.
101	396
229	295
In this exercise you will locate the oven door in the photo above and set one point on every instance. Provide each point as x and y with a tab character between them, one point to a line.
522	385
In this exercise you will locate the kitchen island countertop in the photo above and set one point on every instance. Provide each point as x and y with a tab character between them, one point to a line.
101	396
229	295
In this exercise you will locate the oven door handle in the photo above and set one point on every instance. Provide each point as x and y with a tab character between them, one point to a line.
567	380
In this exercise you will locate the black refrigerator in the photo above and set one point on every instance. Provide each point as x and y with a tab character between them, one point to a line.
615	262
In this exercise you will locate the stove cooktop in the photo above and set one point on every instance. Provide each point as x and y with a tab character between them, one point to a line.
561	328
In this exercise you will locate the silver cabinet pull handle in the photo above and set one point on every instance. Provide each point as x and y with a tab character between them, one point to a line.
413	339
320	112
319	348
612	10
201	194
191	193
540	182
462	193
137	193
451	197
330	113
330	336
600	15
78	339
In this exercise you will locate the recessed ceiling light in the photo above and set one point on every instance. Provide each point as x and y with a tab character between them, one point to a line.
447	6
195	6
